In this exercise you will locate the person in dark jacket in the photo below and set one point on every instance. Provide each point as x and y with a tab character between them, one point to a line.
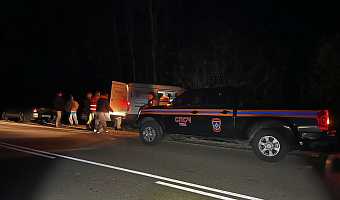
59	105
102	112
86	111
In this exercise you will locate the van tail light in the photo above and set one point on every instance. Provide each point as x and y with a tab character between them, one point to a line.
323	120
128	106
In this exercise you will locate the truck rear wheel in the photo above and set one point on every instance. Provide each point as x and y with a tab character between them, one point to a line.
150	133
270	146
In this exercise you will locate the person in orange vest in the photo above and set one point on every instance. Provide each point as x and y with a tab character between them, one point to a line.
93	108
164	100
152	101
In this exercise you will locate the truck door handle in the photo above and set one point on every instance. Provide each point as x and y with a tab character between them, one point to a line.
194	112
225	112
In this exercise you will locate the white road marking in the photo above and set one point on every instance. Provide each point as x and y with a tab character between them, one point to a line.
30	152
142	174
54	129
194	191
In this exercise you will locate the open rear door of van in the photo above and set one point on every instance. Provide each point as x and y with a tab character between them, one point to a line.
118	98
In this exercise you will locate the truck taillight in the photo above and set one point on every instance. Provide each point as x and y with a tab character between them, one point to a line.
323	120
128	106
35	109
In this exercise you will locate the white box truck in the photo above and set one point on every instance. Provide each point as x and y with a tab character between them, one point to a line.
126	99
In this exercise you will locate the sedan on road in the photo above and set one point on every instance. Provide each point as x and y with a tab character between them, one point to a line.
23	114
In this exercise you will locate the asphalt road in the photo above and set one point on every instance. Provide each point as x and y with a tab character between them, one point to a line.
41	162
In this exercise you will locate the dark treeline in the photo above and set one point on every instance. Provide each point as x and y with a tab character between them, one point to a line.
288	50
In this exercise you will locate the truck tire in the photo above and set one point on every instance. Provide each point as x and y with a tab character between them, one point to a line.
150	133
270	146
22	118
52	119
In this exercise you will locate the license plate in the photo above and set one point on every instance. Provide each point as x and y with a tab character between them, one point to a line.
46	115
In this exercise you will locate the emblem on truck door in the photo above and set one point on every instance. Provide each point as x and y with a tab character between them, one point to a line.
216	124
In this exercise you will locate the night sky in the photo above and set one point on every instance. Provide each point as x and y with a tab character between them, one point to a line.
79	46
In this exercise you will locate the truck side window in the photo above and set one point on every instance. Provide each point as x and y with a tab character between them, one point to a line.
190	100
195	101
221	98
251	98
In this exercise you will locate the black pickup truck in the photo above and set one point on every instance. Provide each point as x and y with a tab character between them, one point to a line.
235	114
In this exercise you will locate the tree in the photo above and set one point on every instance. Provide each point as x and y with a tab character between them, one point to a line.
230	59
131	17
325	73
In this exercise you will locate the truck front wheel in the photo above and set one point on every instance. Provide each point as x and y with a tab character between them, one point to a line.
270	146
150	133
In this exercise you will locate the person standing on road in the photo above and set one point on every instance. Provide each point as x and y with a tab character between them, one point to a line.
102	114
118	123
72	106
59	105
93	108
87	111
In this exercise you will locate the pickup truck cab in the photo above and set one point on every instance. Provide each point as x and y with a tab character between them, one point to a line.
234	114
